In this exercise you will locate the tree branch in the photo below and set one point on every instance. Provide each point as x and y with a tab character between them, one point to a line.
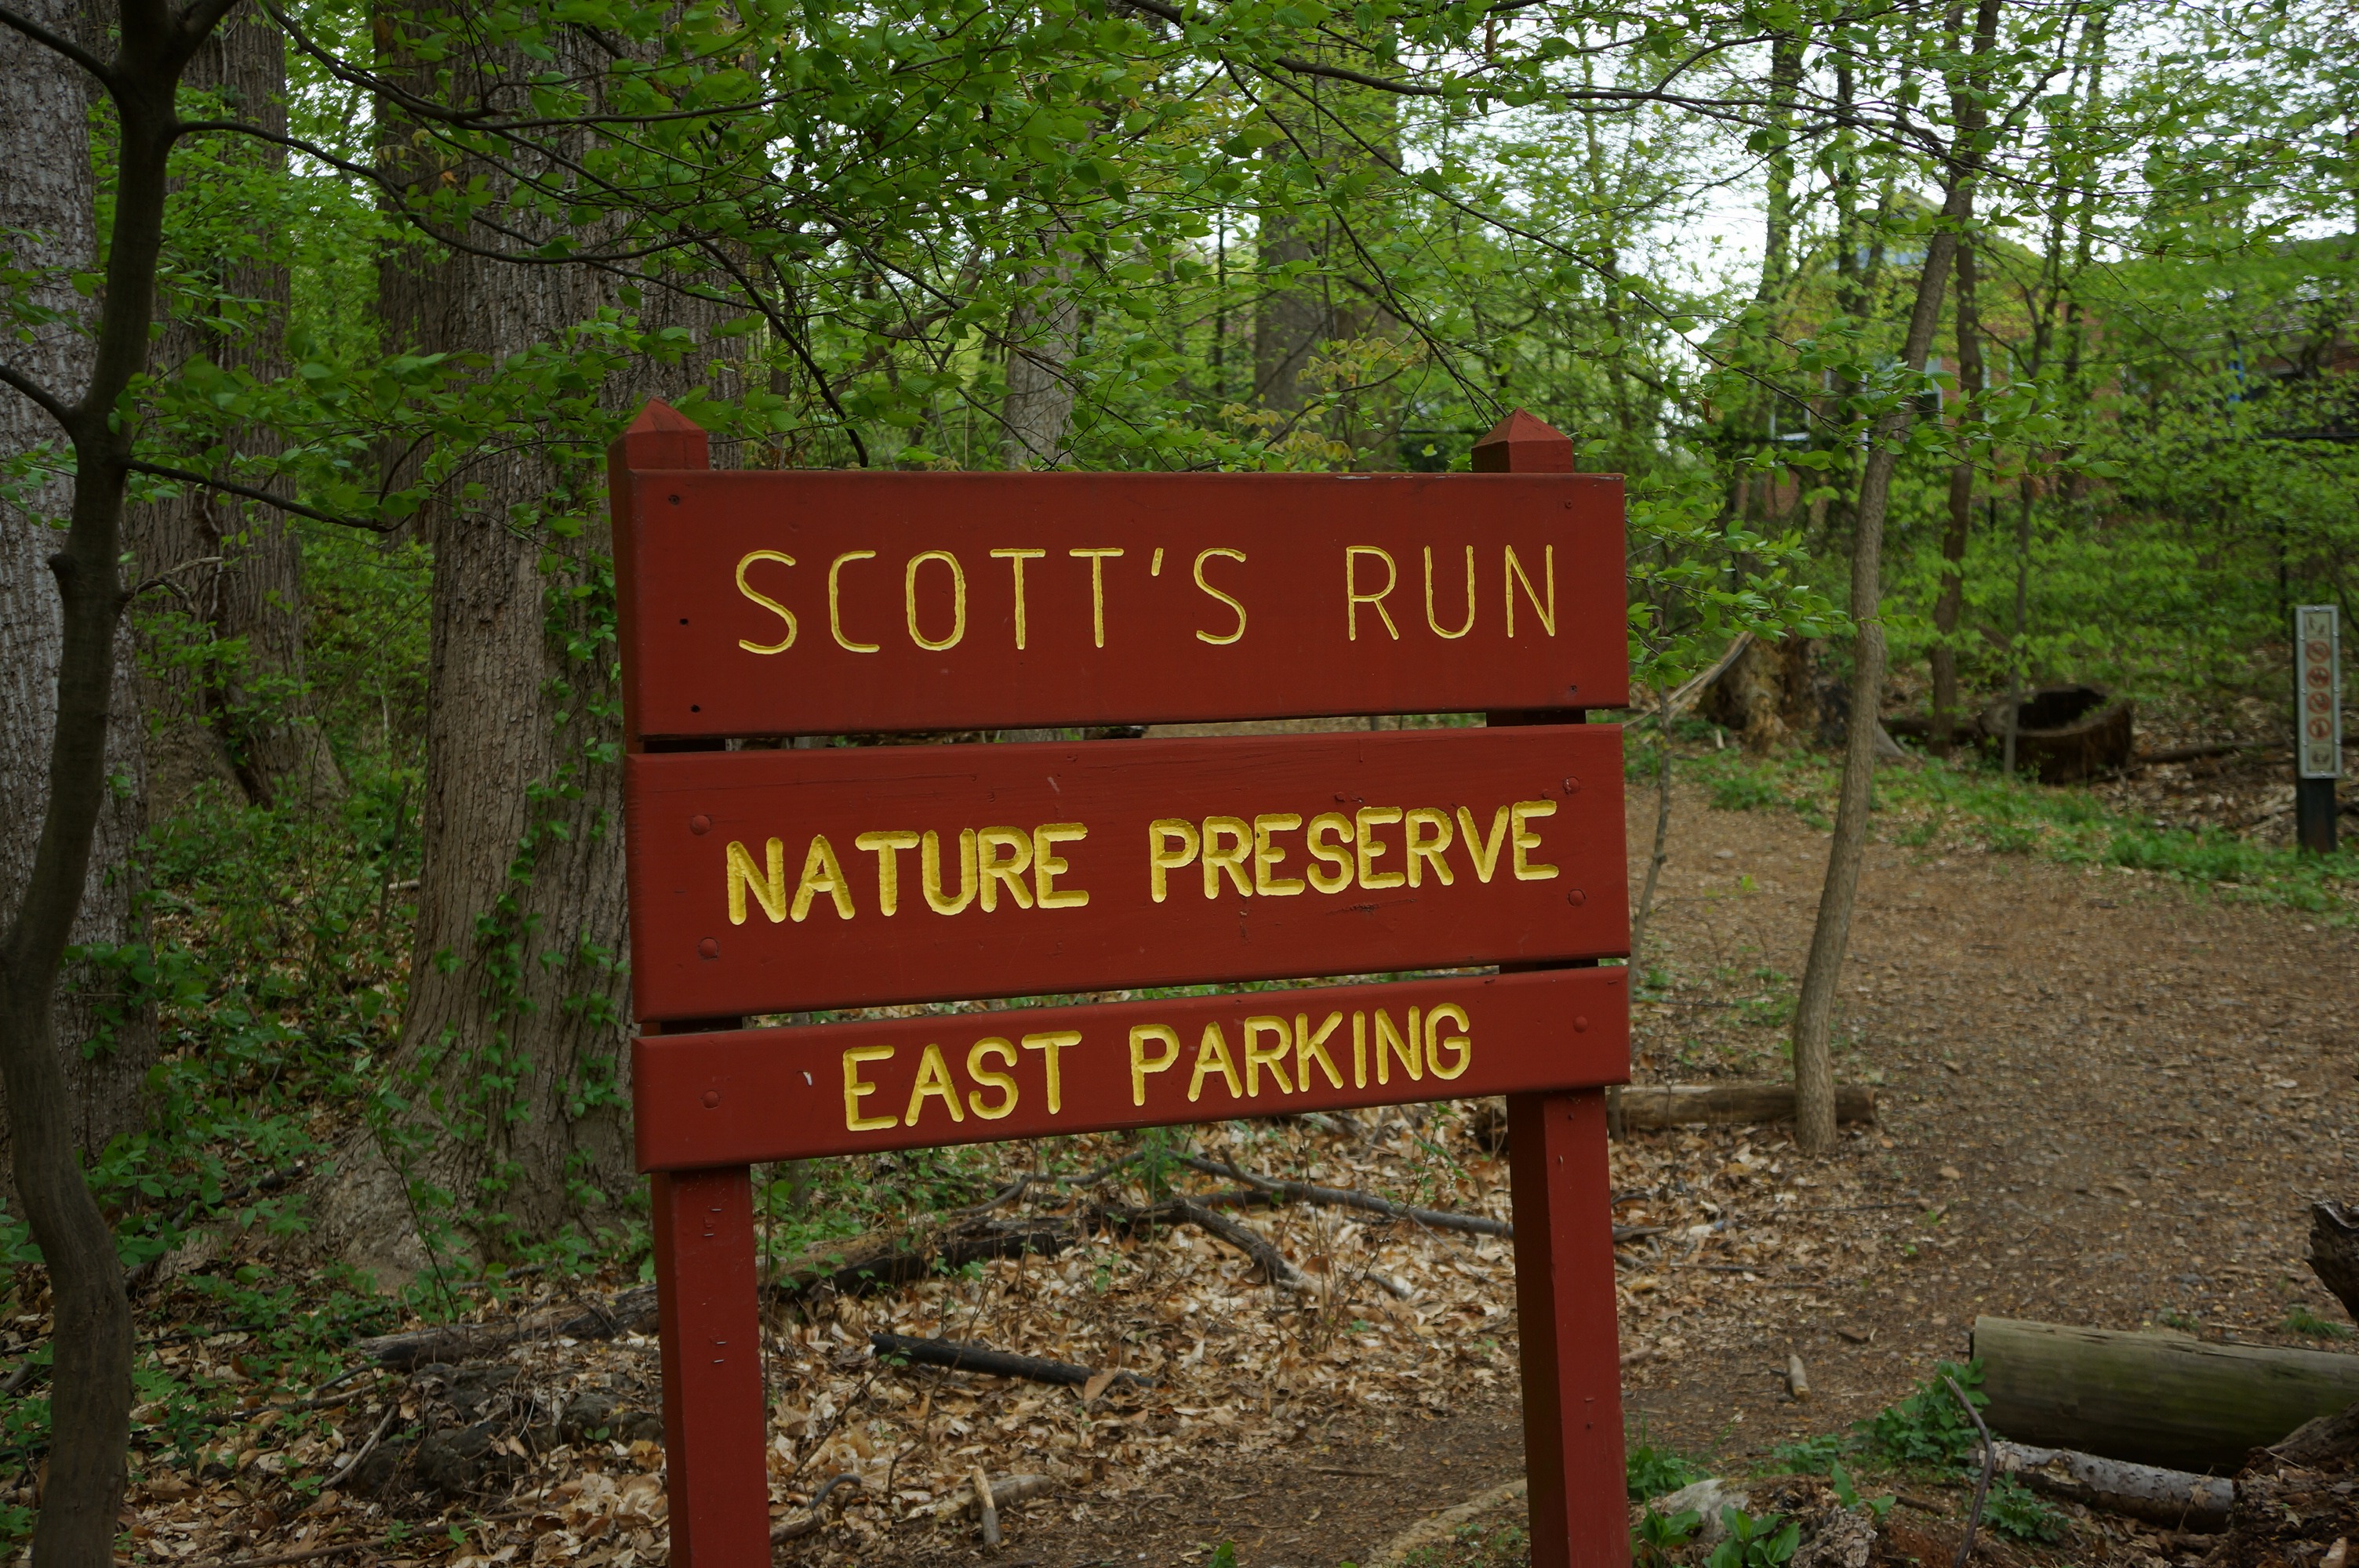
46	403
60	45
232	487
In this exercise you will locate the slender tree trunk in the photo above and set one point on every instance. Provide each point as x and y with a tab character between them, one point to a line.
1951	601
43	120
238	568
46	202
1814	1081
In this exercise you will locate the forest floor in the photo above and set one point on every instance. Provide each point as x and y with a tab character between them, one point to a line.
2105	1098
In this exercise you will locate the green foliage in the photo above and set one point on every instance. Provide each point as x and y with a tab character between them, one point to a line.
2299	1319
1847	1493
1752	1543
1650	1470
1927	1430
1659	1535
2015	1509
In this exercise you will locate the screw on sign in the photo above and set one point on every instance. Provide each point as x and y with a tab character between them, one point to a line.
777	604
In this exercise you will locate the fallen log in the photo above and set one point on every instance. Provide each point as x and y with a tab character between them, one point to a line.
961	1356
1654	1105
456	1341
2156	1398
2178	1498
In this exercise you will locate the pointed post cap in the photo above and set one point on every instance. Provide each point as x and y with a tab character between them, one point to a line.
1521	443
662	437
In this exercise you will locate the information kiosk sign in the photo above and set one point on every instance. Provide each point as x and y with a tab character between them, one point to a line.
783	877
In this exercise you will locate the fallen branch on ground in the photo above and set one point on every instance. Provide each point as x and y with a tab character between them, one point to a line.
796	1530
1342	1197
2177	1498
1655	1106
961	1356
472	1341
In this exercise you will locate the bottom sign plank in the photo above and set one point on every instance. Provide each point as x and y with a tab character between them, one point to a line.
757	1095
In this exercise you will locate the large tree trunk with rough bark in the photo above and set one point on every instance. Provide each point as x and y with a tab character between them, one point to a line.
1044	329
509	1092
47	197
234	570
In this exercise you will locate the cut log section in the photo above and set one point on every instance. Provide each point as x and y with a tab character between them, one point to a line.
2178	1498
2067	732
1649	1106
2156	1398
2334	1252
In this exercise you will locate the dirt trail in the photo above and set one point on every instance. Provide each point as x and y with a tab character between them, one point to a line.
2108	1100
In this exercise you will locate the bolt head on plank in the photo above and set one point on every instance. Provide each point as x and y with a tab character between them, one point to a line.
1521	443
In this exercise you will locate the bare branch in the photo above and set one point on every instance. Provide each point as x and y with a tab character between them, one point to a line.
39	395
60	45
230	487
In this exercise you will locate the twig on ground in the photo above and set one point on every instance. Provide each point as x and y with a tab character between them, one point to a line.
365	1449
1982	1486
987	1506
798	1529
1342	1197
1281	1274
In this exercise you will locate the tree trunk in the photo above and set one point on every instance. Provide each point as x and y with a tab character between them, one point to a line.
1043	330
47	206
2154	1399
1814	1076
1952	599
506	1109
243	720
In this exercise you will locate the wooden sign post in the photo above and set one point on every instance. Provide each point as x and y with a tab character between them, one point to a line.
773	605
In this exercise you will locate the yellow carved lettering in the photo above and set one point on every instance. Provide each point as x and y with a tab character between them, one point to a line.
1359	1050
1212	1057
1435	1040
1239	632
1483	852
991	1079
1354	597
769	887
1048	1044
856	1088
1271	1056
1392	1043
1310	1048
835	600
1163	859
1522	841
934	1082
1228	856
997	873
1097	559
1514	574
1047	865
931	869
766	602
886	848
1333	873
1370	851
1016	560
1140	1064
822	873
1266	856
957	599
1433	621
1427	848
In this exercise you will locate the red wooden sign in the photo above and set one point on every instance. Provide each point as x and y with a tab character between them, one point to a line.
1034	1072
762	881
774	881
814	602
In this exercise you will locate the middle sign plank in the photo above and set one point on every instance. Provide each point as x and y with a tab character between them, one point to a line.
779	881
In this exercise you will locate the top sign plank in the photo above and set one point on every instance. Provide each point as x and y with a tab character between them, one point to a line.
821	602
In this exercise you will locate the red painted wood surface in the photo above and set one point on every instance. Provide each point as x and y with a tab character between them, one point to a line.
1147	598
1568	1341
788	1094
789	945
714	1424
